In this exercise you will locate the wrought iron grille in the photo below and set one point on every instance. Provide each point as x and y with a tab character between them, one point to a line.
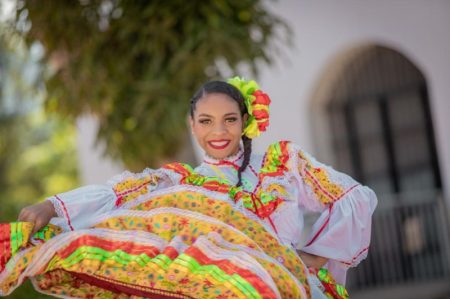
382	134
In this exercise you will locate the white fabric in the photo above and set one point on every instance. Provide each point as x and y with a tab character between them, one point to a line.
341	233
79	208
76	209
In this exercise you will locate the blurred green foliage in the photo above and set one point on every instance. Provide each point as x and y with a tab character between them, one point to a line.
37	159
37	151
135	64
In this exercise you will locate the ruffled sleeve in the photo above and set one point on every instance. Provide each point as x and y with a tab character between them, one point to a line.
342	232
79	208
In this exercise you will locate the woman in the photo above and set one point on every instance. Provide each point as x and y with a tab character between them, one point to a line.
226	229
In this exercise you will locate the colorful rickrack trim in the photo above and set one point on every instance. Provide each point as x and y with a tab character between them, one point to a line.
275	160
332	289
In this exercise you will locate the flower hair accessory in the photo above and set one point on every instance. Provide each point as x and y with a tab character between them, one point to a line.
257	103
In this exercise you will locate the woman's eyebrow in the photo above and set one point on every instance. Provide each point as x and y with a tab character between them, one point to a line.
205	115
225	115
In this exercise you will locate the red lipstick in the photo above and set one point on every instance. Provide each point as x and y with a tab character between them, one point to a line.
219	144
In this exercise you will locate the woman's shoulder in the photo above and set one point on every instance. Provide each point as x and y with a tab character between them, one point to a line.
281	152
275	158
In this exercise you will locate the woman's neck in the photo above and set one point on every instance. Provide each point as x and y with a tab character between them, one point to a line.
234	158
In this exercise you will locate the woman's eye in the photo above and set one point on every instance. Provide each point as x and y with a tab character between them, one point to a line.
205	121
231	119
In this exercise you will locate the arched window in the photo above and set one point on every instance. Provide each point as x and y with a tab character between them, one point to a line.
376	104
381	123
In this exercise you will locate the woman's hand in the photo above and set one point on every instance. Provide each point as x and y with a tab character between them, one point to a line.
39	214
313	261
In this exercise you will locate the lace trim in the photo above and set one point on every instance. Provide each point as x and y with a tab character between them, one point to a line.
61	210
173	176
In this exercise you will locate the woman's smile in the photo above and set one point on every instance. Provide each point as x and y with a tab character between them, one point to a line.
219	144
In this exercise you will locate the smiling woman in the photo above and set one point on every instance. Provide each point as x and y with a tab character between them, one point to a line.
230	228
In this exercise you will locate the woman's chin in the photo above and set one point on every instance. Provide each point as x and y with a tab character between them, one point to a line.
217	156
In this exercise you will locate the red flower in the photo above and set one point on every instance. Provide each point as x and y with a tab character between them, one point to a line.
260	114
262	126
184	280
261	98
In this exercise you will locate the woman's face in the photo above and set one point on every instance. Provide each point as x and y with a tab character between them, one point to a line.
217	125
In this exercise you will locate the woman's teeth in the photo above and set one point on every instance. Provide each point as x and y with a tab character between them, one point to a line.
220	144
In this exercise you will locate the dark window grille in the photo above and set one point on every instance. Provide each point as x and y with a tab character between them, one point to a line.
382	134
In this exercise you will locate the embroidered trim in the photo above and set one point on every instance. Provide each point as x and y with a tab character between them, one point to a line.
319	181
132	187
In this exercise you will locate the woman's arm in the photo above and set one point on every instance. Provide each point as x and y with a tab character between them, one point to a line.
70	210
312	261
341	235
79	208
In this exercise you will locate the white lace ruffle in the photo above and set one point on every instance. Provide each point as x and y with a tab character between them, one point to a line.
58	206
171	176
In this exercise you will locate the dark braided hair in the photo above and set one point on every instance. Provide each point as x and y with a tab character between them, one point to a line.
236	95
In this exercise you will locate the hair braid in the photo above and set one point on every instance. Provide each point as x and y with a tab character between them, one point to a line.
247	153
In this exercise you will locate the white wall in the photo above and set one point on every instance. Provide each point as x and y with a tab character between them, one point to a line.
323	29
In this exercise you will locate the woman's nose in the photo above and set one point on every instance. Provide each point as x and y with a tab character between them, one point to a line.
219	128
